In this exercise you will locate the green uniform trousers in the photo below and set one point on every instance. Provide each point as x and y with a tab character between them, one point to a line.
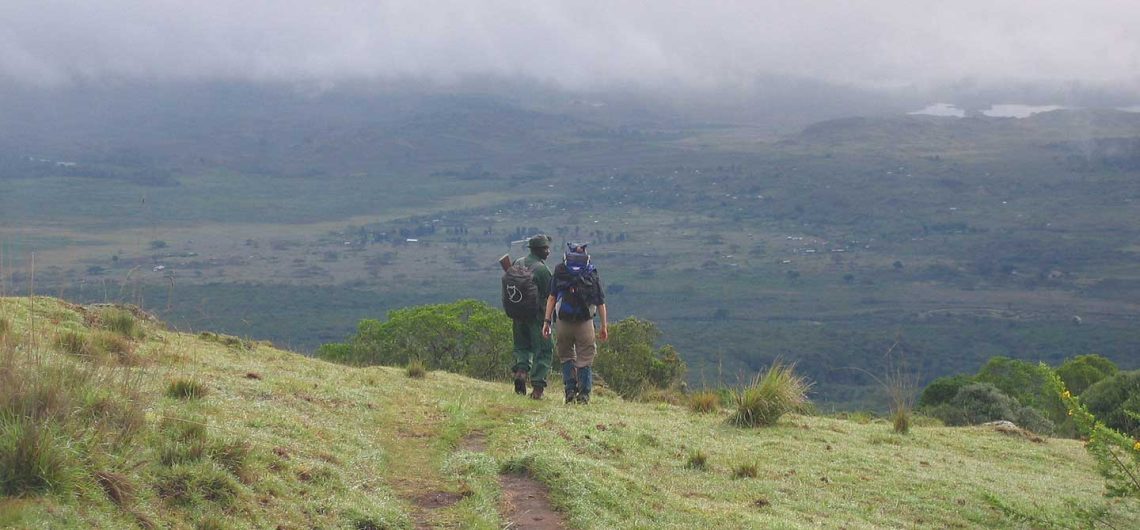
533	353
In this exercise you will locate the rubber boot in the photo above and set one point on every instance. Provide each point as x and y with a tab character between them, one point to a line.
585	384
569	381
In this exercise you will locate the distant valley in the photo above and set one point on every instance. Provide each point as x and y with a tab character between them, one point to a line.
288	216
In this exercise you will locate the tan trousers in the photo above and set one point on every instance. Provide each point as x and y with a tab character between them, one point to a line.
575	342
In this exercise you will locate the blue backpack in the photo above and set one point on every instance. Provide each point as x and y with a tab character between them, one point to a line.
576	285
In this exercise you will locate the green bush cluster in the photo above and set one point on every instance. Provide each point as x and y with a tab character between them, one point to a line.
628	363
472	338
467	337
1117	455
1018	391
1115	401
978	403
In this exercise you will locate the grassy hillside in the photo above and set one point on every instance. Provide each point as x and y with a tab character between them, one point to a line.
111	421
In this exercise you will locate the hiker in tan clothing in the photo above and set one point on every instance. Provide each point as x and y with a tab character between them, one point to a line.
576	293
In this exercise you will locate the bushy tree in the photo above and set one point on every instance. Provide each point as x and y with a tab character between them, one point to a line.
467	337
1082	371
1018	379
942	390
978	403
628	363
1112	398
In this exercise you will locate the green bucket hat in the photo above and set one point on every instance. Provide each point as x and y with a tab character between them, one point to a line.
539	241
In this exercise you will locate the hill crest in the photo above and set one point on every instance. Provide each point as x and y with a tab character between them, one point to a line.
333	446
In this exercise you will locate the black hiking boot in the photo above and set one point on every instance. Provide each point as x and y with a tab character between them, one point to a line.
520	383
570	395
582	399
537	392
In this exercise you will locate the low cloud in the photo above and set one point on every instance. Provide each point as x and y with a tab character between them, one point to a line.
576	44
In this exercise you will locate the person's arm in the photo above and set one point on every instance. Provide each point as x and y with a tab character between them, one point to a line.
548	315
603	333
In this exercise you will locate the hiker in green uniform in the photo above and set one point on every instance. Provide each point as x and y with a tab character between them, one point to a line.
533	352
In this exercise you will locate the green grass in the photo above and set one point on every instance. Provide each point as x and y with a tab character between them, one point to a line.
313	444
121	321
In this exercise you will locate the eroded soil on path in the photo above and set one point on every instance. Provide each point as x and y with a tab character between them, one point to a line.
526	501
526	505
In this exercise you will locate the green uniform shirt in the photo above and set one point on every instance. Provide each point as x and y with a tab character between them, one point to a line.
541	278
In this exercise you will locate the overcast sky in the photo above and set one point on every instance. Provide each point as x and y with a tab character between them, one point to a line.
579	44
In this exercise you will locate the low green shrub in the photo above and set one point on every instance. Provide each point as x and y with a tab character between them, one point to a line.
1112	398
771	395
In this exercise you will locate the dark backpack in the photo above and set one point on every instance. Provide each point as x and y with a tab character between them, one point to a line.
520	292
579	293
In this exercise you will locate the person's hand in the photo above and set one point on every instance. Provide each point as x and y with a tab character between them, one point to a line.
545	330
604	333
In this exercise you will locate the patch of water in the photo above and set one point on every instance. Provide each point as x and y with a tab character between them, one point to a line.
940	109
1017	110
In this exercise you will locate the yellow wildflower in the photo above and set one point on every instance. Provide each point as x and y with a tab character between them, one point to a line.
1067	394
1136	446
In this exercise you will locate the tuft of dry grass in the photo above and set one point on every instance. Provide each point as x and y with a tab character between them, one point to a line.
771	395
121	321
698	460
416	369
900	420
746	470
117	487
186	389
73	342
704	402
